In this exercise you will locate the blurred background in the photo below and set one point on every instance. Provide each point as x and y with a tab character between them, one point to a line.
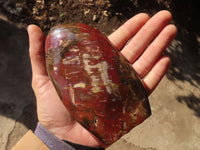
175	120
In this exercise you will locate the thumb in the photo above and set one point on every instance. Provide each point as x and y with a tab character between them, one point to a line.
36	50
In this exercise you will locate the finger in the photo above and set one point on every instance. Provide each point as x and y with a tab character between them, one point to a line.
144	64
156	74
127	30
36	50
147	33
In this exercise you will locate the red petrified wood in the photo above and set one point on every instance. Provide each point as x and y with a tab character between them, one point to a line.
95	82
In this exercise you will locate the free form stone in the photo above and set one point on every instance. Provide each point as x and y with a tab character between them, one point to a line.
95	82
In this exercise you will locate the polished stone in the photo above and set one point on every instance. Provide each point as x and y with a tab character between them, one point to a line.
95	82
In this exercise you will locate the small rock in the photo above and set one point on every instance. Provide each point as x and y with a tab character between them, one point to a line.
94	17
52	18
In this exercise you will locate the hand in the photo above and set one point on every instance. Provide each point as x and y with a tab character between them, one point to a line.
148	39
141	40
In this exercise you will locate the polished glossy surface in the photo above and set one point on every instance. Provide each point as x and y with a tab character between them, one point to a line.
95	82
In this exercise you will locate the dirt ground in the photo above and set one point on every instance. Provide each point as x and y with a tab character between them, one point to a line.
106	15
102	14
175	120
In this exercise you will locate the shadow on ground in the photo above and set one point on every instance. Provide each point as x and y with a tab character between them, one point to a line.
192	102
185	50
185	66
15	75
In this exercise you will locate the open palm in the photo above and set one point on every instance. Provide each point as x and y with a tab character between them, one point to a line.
141	40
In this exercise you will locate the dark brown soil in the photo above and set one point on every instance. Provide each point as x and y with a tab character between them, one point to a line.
106	15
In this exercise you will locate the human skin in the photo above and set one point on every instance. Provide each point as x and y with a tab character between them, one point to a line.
141	40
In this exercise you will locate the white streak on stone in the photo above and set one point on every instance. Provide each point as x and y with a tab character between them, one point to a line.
74	50
55	68
71	92
71	61
124	109
103	70
79	85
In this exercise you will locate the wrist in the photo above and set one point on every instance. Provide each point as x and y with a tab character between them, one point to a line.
49	139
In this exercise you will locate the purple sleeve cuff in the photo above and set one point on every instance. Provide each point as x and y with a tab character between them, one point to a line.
50	140
55	143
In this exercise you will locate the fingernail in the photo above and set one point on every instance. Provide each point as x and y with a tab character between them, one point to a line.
29	28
